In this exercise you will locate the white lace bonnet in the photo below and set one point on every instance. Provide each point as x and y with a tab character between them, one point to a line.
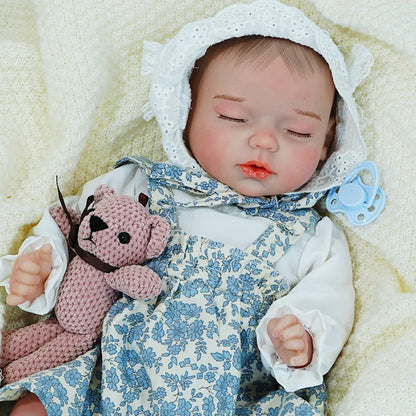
171	64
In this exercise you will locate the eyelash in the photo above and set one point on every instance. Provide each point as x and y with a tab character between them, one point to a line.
300	135
235	120
242	120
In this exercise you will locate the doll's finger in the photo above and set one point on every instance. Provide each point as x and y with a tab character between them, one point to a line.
46	249
286	322
14	300
277	325
45	252
29	266
27	291
274	338
31	261
295	344
274	334
295	331
24	278
299	360
273	327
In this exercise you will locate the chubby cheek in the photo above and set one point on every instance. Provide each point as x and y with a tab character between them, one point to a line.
209	150
302	166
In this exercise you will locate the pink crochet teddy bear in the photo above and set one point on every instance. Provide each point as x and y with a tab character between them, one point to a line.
108	240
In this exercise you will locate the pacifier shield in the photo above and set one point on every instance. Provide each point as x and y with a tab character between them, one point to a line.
361	203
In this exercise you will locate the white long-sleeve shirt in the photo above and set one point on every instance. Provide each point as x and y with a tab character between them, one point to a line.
317	267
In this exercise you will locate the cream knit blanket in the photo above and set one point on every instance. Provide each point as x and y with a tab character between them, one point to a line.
70	99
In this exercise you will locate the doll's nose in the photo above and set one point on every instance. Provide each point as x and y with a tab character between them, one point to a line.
264	139
97	224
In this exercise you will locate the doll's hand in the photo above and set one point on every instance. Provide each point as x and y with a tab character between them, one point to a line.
291	341
29	274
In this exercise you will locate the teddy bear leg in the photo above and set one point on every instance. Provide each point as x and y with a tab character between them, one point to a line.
21	342
62	349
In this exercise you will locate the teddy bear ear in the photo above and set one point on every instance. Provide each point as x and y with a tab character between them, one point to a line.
103	191
143	199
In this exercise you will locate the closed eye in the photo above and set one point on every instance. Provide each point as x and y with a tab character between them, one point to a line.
234	120
301	135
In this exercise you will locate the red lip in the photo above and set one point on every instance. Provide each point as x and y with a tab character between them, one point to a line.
255	169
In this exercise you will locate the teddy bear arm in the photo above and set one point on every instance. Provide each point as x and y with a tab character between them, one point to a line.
59	216
138	282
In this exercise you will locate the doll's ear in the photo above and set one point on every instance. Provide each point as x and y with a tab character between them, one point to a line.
159	234
103	191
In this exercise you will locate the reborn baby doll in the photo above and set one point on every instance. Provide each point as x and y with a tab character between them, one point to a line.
107	242
258	120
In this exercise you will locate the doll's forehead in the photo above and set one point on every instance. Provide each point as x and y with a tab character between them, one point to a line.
258	52
262	50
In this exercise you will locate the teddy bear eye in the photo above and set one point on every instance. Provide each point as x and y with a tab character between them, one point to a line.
124	237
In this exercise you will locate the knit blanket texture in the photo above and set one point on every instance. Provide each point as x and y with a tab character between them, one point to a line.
71	93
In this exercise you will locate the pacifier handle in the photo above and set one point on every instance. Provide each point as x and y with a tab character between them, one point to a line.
372	168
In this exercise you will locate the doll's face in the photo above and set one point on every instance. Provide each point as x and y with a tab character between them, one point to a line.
261	130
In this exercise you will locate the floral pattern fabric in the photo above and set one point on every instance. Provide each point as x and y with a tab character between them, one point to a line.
192	351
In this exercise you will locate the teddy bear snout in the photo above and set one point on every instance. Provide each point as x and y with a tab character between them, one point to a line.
97	224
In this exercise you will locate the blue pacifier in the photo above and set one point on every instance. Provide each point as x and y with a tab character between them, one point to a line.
361	203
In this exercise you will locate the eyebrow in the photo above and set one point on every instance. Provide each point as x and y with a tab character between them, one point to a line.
229	97
308	114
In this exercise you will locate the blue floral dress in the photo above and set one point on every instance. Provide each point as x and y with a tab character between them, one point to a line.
192	351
